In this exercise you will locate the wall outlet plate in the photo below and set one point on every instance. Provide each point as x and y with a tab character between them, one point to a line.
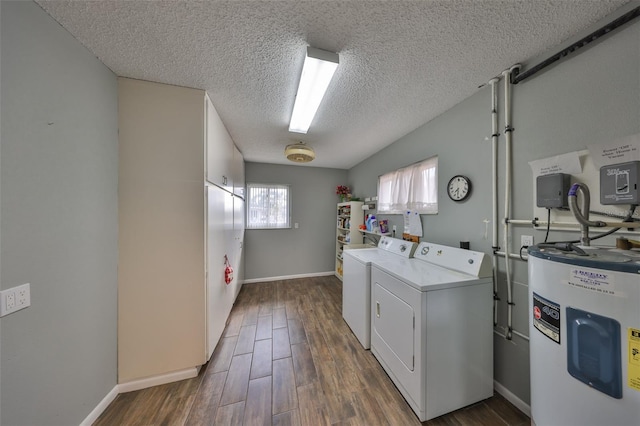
14	299
526	240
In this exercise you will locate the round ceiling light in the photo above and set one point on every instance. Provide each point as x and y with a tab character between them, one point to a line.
299	153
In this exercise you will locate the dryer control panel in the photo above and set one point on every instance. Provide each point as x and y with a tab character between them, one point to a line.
470	262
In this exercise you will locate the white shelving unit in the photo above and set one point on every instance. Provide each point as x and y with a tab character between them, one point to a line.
349	216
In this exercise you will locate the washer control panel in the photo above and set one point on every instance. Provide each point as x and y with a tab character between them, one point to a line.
397	246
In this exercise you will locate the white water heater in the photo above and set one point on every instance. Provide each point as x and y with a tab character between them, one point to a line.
584	330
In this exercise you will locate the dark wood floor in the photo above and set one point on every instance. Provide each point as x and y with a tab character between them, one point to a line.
288	358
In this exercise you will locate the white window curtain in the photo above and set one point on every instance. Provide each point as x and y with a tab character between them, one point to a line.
411	188
268	206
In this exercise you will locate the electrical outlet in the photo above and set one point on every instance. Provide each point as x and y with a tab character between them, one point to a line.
23	296
10	302
526	240
394	228
14	299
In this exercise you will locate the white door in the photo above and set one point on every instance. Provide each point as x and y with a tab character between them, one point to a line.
238	241
218	293
396	315
393	320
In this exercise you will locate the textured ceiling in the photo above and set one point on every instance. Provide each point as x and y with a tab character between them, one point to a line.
402	63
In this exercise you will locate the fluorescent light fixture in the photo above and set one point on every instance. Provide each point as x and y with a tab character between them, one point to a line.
317	71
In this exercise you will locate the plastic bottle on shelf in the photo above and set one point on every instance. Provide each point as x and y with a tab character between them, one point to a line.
371	223
374	224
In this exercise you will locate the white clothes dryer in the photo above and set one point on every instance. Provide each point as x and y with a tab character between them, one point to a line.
432	329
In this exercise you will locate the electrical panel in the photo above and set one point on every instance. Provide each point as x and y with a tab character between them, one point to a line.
619	183
552	190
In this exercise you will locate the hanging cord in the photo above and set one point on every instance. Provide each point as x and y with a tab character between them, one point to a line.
520	253
546	236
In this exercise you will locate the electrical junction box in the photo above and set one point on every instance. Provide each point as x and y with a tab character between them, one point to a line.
619	183
552	190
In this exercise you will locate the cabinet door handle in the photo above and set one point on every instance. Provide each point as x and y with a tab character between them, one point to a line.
377	309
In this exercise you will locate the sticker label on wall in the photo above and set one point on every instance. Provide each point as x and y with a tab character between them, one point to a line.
565	163
596	280
546	317
633	339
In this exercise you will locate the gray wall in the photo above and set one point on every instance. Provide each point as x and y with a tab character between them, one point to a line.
0	210
58	221
308	249
591	98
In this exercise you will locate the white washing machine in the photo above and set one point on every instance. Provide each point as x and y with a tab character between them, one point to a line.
432	327
356	282
584	329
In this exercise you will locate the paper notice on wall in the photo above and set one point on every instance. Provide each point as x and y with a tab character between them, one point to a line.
566	163
622	150
412	223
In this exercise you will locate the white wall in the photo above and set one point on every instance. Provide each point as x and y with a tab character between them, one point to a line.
58	221
308	249
593	97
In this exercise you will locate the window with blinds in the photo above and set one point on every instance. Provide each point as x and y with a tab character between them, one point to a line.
268	206
414	187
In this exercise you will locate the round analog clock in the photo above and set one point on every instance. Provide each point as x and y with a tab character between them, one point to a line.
459	188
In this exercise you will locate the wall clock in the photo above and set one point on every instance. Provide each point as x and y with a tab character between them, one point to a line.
459	188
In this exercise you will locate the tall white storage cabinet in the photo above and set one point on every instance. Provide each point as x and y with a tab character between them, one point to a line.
171	302
225	224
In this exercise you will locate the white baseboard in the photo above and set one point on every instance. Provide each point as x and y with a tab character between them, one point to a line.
135	385
509	396
287	277
93	416
162	379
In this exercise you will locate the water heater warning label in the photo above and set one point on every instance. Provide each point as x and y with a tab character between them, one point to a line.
633	338
546	317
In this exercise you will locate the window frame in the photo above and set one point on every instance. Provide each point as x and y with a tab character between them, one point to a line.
252	186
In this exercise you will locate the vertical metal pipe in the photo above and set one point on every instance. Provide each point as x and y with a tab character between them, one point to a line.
508	130
494	192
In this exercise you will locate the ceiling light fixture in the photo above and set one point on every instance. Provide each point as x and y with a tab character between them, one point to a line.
317	71
299	153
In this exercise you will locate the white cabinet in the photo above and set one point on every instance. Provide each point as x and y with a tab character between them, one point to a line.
177	221
220	150
225	163
238	240
237	173
349	216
